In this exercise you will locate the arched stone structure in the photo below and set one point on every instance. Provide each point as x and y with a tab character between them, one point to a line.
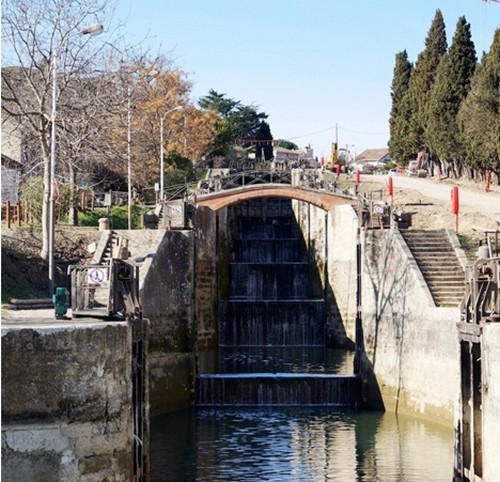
322	199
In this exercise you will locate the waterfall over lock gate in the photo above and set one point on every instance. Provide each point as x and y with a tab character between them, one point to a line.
272	333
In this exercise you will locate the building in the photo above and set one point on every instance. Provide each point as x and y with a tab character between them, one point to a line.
370	160
294	158
11	162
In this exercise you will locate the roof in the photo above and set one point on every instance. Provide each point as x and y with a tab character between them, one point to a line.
371	155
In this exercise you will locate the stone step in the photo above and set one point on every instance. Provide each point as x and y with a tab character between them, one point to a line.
430	253
442	275
432	250
449	290
438	264
448	271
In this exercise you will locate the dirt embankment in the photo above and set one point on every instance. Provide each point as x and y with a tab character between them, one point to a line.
25	274
429	201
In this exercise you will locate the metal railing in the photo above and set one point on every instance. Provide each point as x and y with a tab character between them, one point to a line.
243	178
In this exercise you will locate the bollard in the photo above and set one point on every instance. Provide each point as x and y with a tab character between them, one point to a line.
61	302
104	224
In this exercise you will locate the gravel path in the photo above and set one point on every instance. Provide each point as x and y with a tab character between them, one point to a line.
430	202
471	197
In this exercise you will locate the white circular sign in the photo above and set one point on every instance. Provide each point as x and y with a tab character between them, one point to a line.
96	276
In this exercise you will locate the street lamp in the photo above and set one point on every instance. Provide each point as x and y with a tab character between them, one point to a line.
94	29
129	163
162	119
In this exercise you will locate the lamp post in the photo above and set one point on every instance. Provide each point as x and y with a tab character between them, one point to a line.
130	91
162	167
93	30
129	164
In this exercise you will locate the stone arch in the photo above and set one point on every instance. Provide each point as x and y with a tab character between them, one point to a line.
323	200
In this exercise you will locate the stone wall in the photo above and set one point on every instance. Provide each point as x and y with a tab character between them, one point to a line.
491	400
205	272
167	294
410	346
66	401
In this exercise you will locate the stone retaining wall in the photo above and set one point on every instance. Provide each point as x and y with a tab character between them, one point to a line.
66	401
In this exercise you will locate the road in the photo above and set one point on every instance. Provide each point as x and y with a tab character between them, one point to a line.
470	199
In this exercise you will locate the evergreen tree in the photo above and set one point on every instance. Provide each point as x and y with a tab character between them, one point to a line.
479	115
421	82
237	123
399	116
452	84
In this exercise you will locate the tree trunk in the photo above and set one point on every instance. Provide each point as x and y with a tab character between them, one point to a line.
44	253
73	210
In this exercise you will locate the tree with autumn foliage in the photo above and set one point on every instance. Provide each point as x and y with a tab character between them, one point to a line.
154	89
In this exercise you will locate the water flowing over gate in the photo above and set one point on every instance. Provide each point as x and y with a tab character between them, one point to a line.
272	333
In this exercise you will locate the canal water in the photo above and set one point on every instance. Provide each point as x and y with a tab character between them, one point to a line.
269	404
298	444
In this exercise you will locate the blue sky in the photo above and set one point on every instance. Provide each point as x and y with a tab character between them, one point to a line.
316	67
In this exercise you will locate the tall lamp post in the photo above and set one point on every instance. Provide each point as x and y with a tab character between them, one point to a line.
162	162
93	30
130	91
129	163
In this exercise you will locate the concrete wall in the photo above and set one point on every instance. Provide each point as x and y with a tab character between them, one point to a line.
330	239
205	272
410	347
491	401
342	274
66	401
167	293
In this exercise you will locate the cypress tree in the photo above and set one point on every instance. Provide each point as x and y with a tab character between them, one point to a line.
479	116
421	81
452	84
399	115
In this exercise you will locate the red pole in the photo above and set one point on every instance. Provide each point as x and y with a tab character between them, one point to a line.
356	180
455	205
390	189
337	166
487	180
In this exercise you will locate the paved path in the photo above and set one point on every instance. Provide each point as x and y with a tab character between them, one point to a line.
471	199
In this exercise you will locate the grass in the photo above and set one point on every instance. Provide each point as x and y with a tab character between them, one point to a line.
118	217
469	245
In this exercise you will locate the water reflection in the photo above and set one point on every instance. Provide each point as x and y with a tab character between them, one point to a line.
298	444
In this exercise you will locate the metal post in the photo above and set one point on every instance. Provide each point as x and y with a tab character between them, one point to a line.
129	167
162	167
162	162
52	200
93	30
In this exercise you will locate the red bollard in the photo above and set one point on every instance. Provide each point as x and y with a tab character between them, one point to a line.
487	179
390	189
455	205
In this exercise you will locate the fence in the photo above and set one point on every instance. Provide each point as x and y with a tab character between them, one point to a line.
15	214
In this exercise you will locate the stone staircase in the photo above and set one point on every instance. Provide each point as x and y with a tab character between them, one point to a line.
439	265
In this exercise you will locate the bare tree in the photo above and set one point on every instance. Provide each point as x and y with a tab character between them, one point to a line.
40	38
109	100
